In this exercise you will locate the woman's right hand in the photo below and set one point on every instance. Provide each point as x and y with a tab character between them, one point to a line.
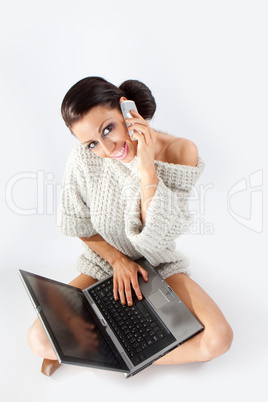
126	276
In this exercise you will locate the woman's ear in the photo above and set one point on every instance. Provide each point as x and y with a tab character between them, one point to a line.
122	99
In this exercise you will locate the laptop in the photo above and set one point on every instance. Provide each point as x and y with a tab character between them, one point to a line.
89	328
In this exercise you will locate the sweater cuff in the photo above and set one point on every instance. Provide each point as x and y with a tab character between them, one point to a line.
75	227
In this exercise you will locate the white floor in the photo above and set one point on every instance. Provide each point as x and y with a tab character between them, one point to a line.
206	65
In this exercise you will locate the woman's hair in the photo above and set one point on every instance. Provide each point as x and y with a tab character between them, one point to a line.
94	91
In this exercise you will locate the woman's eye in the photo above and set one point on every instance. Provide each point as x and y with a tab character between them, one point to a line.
108	129
91	145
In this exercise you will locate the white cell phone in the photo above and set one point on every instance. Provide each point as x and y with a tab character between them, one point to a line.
126	106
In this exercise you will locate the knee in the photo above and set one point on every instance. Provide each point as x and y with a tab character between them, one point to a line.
38	342
217	341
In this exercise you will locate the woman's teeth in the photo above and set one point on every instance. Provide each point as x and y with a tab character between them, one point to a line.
120	153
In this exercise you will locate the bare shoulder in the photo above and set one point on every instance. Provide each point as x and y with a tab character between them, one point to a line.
183	152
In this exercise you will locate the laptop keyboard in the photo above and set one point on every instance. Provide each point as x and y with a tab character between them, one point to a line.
137	328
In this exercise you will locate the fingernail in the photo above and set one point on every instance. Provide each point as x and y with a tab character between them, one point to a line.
129	303
140	297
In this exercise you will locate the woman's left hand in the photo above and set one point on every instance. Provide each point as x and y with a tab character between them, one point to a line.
146	141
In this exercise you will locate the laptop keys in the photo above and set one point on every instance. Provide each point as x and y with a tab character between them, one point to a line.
136	327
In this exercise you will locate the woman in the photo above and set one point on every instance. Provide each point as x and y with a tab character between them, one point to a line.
126	198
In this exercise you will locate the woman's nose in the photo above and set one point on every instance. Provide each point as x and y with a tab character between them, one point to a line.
108	146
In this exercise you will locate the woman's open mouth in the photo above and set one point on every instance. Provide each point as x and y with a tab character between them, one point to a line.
121	154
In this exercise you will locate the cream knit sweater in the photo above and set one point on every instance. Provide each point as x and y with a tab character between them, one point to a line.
102	196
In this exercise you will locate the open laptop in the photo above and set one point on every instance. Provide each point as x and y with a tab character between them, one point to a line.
89	328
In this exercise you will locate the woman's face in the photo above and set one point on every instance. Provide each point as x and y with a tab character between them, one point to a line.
105	133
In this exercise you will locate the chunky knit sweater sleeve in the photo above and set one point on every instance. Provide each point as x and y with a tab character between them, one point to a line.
168	214
73	218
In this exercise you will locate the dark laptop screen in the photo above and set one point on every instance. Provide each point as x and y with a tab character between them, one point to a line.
72	328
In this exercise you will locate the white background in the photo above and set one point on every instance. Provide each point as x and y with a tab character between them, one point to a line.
206	64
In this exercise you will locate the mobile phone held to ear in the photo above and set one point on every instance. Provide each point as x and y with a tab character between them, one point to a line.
126	107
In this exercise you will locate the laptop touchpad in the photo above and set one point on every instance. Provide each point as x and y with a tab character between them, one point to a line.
158	299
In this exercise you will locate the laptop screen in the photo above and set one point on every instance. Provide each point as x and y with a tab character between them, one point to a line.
72	327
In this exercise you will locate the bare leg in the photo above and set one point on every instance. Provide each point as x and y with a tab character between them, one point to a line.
217	337
37	337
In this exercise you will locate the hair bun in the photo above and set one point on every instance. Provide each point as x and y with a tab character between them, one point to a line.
141	95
